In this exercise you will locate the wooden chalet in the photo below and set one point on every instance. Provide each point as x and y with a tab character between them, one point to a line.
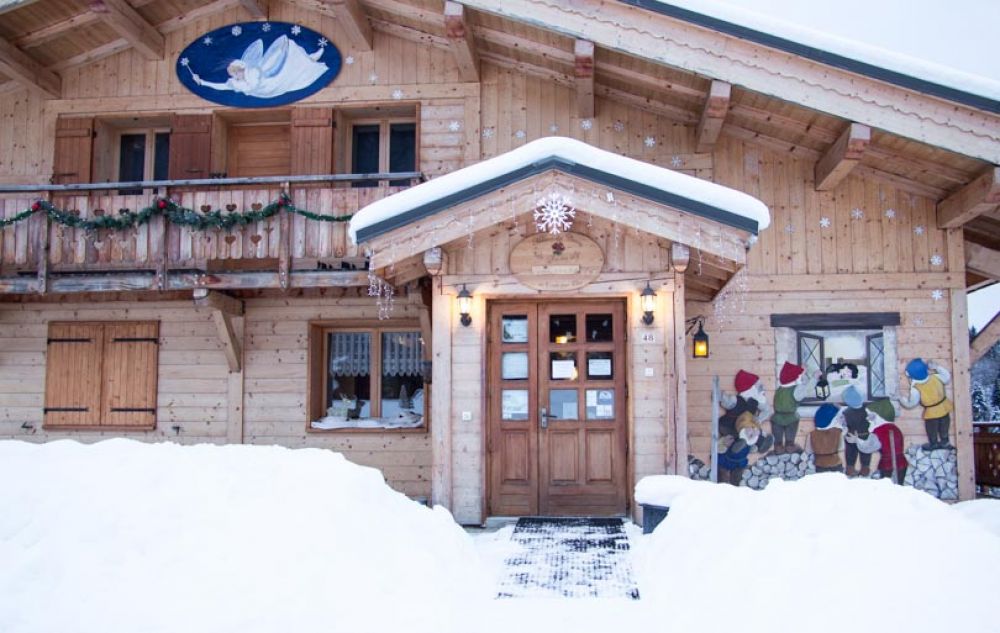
441	336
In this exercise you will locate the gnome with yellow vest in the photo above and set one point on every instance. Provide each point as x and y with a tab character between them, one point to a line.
927	390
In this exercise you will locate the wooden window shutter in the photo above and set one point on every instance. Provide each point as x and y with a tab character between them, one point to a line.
131	351
312	141
190	146
74	150
73	375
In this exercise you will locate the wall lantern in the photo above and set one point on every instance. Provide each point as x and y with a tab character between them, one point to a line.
699	342
822	387
465	305
648	298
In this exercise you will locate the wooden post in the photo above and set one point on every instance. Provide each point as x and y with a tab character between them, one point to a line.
680	371
441	446
158	250
714	447
960	379
284	246
236	386
43	228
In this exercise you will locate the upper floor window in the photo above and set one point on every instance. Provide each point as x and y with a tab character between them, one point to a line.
143	155
385	146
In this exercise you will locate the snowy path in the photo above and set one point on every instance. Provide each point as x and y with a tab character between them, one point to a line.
568	558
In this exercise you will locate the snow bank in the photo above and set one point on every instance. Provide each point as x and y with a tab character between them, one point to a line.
123	536
822	554
735	202
985	512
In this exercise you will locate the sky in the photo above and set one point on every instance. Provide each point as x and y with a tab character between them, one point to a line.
983	305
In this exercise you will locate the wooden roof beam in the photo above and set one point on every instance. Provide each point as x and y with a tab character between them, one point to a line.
985	340
255	8
982	260
128	24
713	115
20	67
842	157
354	20
583	71
976	198
462	40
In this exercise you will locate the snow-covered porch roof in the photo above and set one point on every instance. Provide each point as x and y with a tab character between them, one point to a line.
659	201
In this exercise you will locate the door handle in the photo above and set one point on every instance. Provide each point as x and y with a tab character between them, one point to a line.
543	418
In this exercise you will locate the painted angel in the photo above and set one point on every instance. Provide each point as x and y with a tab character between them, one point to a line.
285	67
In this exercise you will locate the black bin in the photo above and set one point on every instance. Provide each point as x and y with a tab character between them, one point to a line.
651	516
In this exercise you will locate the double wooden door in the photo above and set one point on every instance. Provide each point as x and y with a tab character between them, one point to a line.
556	402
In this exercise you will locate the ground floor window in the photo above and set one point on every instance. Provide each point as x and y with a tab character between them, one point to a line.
367	377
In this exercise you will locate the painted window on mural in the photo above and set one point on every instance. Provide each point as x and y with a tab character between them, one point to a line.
374	378
845	358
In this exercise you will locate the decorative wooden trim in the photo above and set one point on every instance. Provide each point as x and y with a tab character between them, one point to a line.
986	339
713	115
127	23
461	40
215	300
976	198
351	16
842	157
841	321
583	72
982	260
23	69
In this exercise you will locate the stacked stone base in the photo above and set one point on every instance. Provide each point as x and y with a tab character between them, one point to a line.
934	472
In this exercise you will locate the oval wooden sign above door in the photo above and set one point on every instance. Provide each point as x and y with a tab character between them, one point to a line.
567	261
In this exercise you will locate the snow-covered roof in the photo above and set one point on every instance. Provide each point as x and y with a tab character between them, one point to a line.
671	188
947	44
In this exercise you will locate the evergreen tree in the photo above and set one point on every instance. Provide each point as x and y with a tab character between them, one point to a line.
981	408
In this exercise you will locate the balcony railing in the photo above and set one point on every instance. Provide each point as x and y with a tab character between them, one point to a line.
38	255
986	447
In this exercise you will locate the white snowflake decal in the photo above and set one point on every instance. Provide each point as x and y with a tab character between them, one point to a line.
323	42
296	29
207	41
265	27
349	60
890	213
618	126
937	295
372	78
454	126
554	214
553	128
650	141
936	260
586	124
520	134
397	94
488	132
789	228
919	229
185	61
824	222
676	161
236	30
857	213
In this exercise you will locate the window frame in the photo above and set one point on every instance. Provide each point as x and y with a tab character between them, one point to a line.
149	160
820	333
384	128
319	367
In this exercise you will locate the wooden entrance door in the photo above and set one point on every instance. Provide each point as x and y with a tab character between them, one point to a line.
556	427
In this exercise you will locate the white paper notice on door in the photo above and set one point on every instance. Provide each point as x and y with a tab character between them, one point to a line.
563	369
598	367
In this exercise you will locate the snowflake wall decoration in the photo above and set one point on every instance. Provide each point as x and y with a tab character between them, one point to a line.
857	213
296	29
890	213
936	260
554	214
553	128
919	229
454	126
372	78
618	126
937	295
349	60
650	141
676	162
207	41
488	132
789	228
236	30
586	124
520	134
397	94
824	222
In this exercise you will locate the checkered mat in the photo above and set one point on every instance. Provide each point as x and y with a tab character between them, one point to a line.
569	558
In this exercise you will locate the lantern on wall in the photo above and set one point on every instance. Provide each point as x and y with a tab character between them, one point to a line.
648	298
465	305
699	346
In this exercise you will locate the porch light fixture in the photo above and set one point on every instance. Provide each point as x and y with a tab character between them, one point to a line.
648	298
699	342
465	305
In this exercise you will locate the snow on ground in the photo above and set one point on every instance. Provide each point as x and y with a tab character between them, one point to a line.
985	512
127	537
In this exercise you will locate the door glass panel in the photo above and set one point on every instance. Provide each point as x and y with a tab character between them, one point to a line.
562	328
562	366
515	329
514	366
600	365
365	153
600	328
514	404
562	404
600	404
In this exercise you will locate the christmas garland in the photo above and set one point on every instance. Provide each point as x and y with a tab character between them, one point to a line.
207	219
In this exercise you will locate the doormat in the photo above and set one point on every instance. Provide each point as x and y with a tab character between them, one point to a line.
569	558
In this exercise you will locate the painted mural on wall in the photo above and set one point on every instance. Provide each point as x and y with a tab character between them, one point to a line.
851	434
258	64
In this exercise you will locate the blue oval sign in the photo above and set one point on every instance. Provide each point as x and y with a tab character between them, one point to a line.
258	64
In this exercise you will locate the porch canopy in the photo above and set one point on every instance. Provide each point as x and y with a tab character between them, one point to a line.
716	224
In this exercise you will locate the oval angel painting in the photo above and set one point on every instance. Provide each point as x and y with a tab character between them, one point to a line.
258	64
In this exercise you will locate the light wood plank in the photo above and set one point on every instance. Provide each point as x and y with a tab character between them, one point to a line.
19	66
980	196
583	72
351	16
461	40
986	339
128	24
713	115
842	157
982	261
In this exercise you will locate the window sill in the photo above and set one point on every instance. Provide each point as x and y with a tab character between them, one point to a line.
97	427
369	426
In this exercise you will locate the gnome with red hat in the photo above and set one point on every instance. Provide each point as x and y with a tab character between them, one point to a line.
787	398
750	397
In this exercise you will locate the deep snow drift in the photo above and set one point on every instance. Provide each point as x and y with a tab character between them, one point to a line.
126	537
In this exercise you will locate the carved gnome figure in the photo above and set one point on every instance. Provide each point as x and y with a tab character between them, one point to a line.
787	398
735	459
887	439
927	389
825	442
750	397
856	417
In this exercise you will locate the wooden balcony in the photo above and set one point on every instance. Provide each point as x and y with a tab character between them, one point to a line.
286	250
986	446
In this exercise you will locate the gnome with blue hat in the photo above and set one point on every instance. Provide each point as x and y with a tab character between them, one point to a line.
927	381
825	442
856	417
